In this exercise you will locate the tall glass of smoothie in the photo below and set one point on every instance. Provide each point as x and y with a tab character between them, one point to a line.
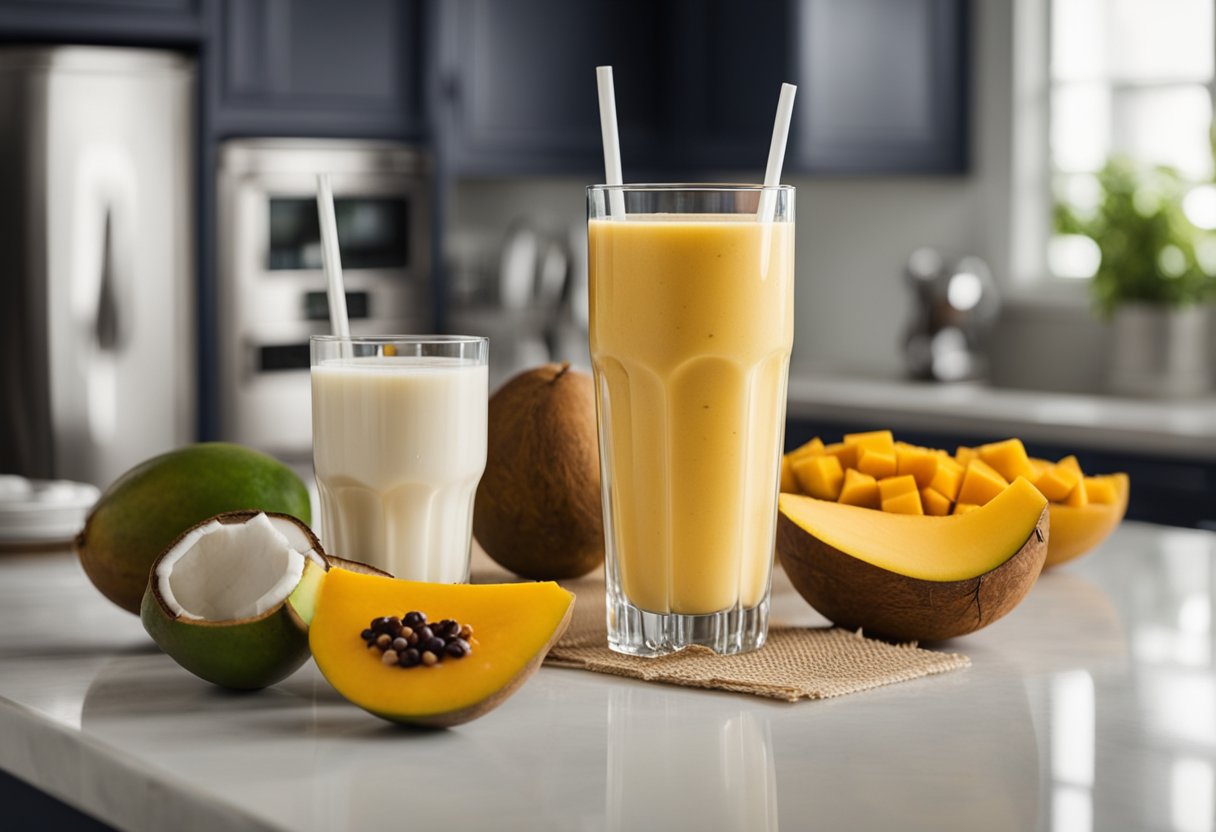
399	445
692	302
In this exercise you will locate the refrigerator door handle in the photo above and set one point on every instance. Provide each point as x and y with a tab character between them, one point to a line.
107	327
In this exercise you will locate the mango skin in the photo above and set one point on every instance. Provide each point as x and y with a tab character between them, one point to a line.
144	510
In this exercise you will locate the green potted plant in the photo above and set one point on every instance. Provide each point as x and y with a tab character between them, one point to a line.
1153	282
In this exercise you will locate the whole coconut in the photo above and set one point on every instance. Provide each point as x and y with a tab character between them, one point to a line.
538	510
146	509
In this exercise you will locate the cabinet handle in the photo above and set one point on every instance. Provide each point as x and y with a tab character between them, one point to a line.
107	327
449	87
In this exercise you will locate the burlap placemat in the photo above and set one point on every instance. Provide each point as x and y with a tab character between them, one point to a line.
796	662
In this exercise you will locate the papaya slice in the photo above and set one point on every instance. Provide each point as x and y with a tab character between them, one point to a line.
514	626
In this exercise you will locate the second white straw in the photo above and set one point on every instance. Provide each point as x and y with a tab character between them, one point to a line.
612	140
776	151
331	257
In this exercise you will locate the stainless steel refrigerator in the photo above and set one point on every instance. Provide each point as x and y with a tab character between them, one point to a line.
97	290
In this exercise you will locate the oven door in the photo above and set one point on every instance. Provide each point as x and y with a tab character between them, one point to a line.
272	291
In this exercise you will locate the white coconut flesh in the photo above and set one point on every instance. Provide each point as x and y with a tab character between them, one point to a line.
229	571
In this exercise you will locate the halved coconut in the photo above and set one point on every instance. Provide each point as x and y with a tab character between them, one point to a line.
231	599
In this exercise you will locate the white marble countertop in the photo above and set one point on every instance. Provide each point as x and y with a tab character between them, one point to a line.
1178	428
1091	706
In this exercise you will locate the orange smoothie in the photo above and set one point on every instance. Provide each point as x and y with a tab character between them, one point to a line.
691	329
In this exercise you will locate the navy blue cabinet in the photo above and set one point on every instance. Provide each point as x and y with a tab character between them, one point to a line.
518	82
510	86
120	22
519	91
317	68
268	67
727	62
882	84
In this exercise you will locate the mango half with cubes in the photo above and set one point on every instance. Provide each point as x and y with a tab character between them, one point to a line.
872	470
901	576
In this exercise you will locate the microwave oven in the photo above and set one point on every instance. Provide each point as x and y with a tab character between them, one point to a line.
271	289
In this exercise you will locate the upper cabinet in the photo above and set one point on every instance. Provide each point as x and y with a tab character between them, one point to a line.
507	87
725	65
518	81
519	91
318	68
882	84
124	22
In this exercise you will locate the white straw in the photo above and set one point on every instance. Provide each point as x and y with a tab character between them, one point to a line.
776	151
611	139
331	258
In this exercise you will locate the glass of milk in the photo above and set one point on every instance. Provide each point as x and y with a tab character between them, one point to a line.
399	445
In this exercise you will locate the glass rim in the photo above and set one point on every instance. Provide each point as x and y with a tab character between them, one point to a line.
399	339
726	187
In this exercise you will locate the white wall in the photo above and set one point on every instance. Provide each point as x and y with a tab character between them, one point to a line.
854	234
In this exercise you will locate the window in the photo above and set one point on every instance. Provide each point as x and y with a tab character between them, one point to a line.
1134	79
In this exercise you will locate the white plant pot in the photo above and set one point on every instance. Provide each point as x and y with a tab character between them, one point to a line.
1160	351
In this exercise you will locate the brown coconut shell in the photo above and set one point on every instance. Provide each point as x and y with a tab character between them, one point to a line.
538	510
854	594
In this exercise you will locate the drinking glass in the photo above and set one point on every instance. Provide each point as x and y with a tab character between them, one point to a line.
399	445
691	318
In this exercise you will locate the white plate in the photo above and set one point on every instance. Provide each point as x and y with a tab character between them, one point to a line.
42	511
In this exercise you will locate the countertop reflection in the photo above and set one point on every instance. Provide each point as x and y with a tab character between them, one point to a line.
1090	707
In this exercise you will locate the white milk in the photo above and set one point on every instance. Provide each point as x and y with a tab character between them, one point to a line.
399	445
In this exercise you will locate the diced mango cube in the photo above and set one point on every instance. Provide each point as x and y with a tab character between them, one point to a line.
963	455
875	440
1038	466
819	476
948	478
963	508
895	486
811	448
1079	496
981	483
906	503
860	490
1056	483
847	454
920	463
1070	462
936	505
1007	458
876	463
1101	490
789	483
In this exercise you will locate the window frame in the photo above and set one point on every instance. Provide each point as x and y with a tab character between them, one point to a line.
1032	166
